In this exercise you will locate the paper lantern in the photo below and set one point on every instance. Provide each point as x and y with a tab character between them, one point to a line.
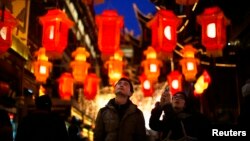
213	24
115	67
164	36
175	81
147	86
151	64
66	86
109	25
42	67
79	65
7	23
202	83
189	63
91	86
55	32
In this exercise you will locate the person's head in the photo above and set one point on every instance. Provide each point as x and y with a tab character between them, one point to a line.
179	101
43	102
245	89
124	87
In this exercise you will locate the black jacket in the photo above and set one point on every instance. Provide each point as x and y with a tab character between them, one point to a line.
196	125
120	123
42	126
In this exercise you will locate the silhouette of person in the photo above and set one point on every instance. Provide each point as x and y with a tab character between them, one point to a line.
74	130
6	131
243	119
42	125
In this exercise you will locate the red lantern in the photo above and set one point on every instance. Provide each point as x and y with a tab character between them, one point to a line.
79	65
55	32
213	23
42	66
164	36
7	23
189	63
109	24
115	67
66	86
91	86
175	81
151	65
147	86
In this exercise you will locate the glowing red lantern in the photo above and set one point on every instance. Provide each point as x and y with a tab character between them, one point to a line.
213	23
42	67
189	63
175	81
164	36
55	32
66	86
147	86
151	64
91	86
109	24
7	23
79	65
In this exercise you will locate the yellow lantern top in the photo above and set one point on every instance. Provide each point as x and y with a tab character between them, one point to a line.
188	51
41	54
118	55
80	54
150	53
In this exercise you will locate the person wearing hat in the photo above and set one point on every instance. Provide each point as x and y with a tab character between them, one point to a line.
120	119
179	122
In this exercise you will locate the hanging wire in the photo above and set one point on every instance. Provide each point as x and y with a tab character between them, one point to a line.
186	16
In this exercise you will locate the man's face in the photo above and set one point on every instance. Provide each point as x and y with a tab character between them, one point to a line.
122	88
178	102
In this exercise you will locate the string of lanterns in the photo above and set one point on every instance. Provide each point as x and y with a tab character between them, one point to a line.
54	41
164	27
164	40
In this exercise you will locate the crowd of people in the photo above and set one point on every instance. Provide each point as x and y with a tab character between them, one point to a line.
122	120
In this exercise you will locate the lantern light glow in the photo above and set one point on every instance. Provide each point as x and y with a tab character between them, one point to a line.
146	84
211	30
175	84
3	33
167	32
